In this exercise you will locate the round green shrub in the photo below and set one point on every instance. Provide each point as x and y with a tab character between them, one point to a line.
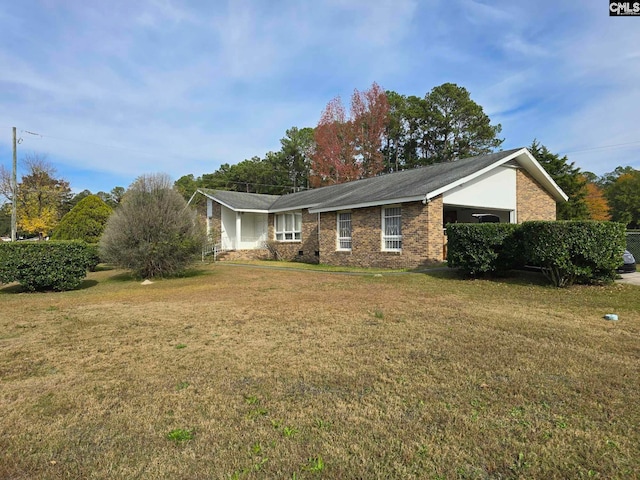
86	221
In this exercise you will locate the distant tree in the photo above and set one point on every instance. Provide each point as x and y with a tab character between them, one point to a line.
256	175
370	115
116	194
5	220
396	132
591	177
112	198
334	158
40	198
623	195
86	221
597	202
295	156
152	232
74	201
444	125
569	179
458	126
609	178
349	148
186	185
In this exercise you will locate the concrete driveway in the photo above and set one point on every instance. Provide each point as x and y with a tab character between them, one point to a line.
630	278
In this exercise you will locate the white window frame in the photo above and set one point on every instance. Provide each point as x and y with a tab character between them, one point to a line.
344	242
391	242
289	228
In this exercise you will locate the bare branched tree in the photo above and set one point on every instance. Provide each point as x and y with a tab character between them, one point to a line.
153	232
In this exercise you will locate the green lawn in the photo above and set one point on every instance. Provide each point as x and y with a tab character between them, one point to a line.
243	372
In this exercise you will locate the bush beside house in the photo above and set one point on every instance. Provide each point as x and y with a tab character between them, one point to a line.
485	248
574	252
566	252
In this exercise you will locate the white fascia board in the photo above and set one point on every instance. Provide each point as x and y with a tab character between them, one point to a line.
246	210
529	163
538	170
292	209
240	210
477	174
377	203
222	203
192	197
203	193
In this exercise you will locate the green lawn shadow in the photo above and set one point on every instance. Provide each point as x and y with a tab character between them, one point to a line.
514	277
14	288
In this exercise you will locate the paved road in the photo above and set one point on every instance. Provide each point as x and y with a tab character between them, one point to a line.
630	278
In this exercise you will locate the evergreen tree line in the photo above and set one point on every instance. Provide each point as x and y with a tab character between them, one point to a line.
386	132
382	132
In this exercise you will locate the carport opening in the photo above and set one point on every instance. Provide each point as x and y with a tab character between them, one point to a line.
455	214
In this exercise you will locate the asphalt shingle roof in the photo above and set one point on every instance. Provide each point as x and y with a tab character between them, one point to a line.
241	200
414	183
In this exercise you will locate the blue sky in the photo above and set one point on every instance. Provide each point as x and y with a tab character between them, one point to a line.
121	88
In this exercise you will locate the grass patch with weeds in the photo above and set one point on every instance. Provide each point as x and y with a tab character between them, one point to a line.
180	435
462	379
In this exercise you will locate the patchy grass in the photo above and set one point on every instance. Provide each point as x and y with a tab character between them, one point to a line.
293	375
280	264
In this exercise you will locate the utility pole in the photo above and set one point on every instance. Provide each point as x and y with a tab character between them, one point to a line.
14	189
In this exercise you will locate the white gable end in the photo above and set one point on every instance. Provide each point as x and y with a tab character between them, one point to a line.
495	189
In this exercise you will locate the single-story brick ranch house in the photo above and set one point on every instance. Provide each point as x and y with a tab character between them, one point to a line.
394	220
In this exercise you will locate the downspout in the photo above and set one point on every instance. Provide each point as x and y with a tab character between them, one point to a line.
318	235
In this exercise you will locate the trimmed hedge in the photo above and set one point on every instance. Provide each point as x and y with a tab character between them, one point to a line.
574	251
482	248
45	265
567	252
93	256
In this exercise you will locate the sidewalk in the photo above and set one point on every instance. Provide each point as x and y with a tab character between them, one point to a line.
630	278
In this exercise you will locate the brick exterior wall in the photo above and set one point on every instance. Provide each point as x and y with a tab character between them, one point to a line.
303	250
262	254
214	223
422	237
533	201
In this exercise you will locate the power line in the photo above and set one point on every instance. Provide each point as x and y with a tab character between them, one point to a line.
116	147
603	147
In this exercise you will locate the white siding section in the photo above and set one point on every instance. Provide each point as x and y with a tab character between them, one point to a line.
253	231
495	189
242	230
228	228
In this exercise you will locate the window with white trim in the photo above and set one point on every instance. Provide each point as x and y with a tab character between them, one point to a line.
392	228
344	231
288	227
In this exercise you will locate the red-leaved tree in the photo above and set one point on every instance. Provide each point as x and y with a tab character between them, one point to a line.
350	148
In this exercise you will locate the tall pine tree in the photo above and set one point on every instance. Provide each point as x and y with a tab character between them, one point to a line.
569	178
